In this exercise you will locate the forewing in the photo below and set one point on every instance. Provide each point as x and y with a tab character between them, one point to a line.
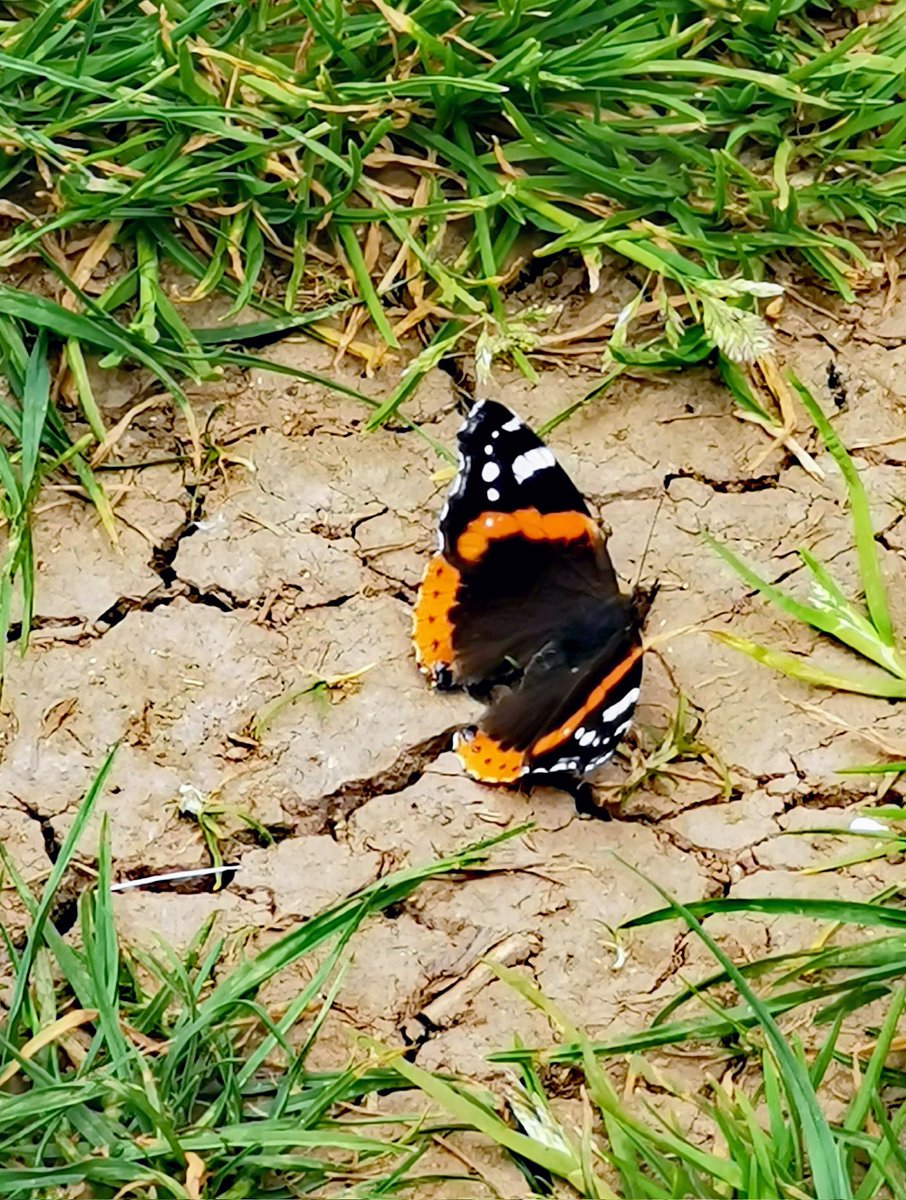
503	467
523	594
521	562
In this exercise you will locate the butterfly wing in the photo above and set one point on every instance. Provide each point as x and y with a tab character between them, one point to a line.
520	558
503	467
565	718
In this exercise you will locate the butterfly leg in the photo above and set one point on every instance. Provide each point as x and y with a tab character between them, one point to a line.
580	790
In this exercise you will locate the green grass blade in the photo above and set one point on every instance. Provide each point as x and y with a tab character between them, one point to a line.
42	913
801	669
860	1104
869	565
848	911
827	1168
76	362
35	402
888	768
476	1116
834	615
439	347
354	257
806	613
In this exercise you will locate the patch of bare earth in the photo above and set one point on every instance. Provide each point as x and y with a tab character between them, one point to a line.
300	561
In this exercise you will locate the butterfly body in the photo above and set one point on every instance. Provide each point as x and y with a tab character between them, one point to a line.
522	591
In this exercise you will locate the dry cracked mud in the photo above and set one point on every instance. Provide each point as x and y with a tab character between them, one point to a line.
298	560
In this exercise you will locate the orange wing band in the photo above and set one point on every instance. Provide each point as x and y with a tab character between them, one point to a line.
486	760
432	631
527	522
550	740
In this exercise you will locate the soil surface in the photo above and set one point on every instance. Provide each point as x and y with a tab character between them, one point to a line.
295	557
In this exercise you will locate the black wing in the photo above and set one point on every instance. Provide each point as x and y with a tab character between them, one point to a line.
565	718
550	573
503	467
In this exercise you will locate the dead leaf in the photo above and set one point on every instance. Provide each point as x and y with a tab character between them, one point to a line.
15	211
72	1020
195	1175
90	259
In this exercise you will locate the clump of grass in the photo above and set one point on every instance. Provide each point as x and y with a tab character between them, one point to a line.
414	157
37	446
766	1135
161	1074
376	173
868	631
658	760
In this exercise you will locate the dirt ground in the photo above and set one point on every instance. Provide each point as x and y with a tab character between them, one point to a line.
301	555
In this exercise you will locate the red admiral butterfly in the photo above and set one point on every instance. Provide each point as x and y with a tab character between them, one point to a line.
523	591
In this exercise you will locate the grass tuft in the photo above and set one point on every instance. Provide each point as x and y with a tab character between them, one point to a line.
162	1074
868	632
379	175
758	1128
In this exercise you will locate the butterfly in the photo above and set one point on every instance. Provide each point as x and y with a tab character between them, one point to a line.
522	592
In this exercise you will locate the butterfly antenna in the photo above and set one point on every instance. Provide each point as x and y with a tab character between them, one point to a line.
638	577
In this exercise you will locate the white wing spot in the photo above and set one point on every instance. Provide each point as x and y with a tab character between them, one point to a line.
489	521
512	425
621	705
565	764
489	449
526	465
440	524
459	483
495	433
489	472
493	496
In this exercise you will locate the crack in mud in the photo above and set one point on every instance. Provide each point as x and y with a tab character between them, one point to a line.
760	483
820	800
64	907
715	864
164	553
51	841
677	960
882	538
601	500
171	587
406	769
160	597
443	998
39	623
